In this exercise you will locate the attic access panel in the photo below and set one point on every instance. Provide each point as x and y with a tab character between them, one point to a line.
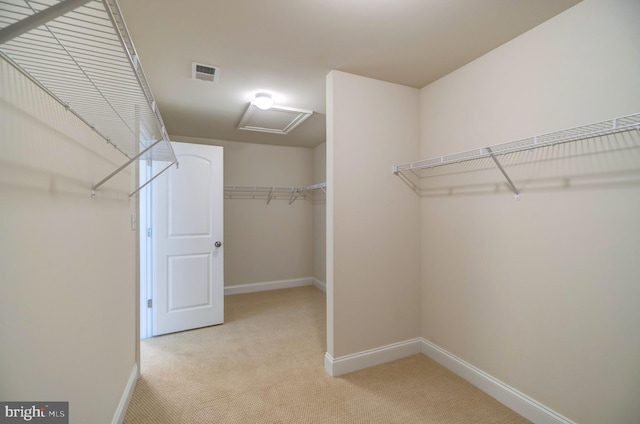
277	120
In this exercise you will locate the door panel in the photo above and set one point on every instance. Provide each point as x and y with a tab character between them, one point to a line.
189	198
189	277
187	222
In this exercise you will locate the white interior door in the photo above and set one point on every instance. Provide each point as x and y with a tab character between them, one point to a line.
187	232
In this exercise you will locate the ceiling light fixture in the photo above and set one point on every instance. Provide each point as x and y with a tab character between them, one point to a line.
263	101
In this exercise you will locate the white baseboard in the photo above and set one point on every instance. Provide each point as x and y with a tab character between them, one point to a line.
519	402
320	285
121	411
512	398
268	285
368	358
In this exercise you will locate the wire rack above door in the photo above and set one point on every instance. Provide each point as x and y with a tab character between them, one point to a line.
80	52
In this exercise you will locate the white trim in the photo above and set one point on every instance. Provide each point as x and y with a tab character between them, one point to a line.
268	285
507	395
328	364
512	398
121	411
145	254
320	285
368	358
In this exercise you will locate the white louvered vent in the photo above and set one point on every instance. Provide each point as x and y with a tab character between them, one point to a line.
206	73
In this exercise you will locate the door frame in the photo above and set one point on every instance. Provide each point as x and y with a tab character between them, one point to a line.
145	252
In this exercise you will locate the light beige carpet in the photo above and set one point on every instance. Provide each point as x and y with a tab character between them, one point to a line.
266	365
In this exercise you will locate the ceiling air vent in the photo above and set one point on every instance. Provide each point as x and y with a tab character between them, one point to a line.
205	72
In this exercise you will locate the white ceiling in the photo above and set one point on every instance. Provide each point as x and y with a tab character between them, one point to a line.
287	47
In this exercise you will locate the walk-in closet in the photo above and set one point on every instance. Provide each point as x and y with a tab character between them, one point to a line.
430	210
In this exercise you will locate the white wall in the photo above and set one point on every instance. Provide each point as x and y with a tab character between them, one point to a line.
372	218
319	201
266	242
542	293
67	261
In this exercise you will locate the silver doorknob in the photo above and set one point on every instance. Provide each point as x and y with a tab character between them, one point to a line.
218	244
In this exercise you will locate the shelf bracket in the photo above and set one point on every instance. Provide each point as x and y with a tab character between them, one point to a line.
40	18
294	195
270	195
499	165
129	162
153	178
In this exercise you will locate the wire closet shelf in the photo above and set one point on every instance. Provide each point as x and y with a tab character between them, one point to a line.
80	52
598	129
270	192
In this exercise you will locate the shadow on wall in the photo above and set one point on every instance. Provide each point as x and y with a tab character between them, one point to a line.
610	160
45	182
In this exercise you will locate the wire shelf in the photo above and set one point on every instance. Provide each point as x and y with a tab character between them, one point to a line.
270	192
490	157
85	59
599	129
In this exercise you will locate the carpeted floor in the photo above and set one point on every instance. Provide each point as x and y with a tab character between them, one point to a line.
266	365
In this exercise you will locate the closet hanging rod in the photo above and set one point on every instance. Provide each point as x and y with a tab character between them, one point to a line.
598	129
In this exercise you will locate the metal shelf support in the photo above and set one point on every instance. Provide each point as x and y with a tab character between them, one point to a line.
129	162
295	193
499	165
153	178
270	195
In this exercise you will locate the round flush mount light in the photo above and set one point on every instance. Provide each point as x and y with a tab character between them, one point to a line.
263	101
